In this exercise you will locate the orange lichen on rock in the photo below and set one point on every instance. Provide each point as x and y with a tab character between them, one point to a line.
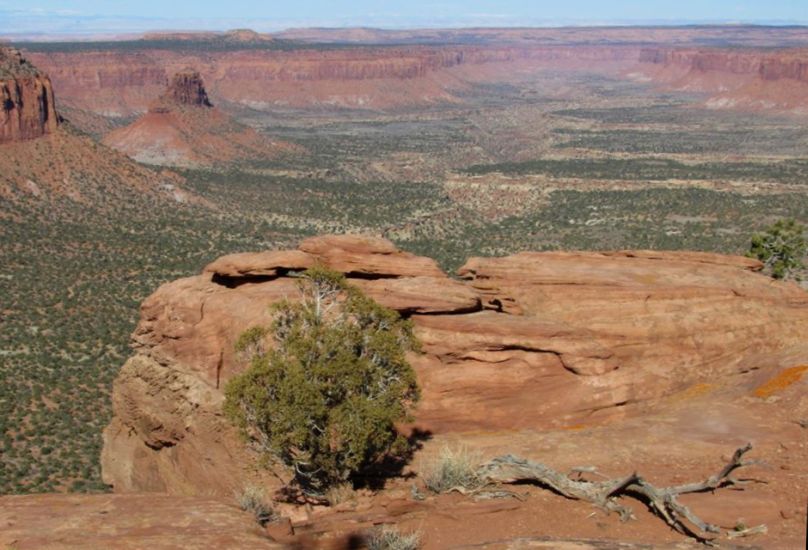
785	379
696	390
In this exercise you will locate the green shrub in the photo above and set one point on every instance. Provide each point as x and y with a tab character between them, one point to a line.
325	400
781	248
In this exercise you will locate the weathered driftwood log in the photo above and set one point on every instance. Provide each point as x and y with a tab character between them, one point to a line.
662	501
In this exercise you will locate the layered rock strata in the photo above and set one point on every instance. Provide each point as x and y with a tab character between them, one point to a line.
123	84
27	108
744	78
187	88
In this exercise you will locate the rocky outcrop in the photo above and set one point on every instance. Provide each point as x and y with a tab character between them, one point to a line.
66	164
530	341
765	79
186	89
27	108
182	128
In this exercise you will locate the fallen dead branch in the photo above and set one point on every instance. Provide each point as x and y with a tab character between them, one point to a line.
509	469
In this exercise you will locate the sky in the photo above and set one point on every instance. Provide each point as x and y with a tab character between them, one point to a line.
94	15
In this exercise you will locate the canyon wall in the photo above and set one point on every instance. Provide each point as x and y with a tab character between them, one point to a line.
786	64
27	108
761	79
534	341
123	83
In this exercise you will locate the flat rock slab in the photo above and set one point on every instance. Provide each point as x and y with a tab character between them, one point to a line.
123	522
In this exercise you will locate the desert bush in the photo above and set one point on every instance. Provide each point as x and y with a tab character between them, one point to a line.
781	247
390	538
454	467
252	499
325	399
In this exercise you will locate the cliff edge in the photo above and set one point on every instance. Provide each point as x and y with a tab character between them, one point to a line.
27	108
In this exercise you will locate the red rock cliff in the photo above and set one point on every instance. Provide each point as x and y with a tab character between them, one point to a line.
785	64
123	83
27	108
767	79
187	88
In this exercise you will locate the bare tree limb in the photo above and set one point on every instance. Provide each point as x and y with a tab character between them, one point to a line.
662	501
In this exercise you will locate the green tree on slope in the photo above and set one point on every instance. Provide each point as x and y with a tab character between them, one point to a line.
781	248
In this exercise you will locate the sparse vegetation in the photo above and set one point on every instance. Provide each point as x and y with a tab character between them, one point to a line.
454	468
781	247
325	400
253	499
390	538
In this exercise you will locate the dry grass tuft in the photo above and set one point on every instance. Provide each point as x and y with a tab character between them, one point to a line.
390	538
253	499
454	468
337	494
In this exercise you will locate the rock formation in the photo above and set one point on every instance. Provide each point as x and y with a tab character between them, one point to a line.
745	78
182	128
123	84
27	109
186	88
63	163
531	341
413	68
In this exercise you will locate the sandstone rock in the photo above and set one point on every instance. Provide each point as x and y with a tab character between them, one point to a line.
422	295
27	108
193	323
168	435
187	88
371	257
475	335
280	530
260	264
565	338
158	522
673	312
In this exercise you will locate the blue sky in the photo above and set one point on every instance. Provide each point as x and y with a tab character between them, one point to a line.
275	14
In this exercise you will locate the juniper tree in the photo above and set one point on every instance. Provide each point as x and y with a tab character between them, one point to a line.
325	397
781	248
